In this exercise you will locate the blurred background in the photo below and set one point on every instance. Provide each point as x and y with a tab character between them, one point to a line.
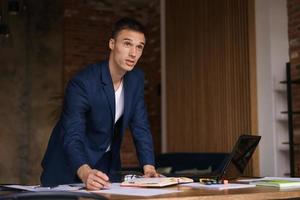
211	72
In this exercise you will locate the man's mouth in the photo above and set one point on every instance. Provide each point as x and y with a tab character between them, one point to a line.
129	62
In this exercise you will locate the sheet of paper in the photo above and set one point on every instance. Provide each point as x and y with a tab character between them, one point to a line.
219	186
268	178
32	188
134	191
37	188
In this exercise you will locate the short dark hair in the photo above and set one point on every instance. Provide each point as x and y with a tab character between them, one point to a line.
127	23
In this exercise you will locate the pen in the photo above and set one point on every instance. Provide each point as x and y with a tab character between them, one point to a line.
208	181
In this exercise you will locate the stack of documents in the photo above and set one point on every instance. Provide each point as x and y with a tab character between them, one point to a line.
280	182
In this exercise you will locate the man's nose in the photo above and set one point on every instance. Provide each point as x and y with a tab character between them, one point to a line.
132	52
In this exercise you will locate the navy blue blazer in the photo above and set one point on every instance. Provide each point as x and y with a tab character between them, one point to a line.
86	126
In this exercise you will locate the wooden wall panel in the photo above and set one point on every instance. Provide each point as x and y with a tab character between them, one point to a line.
208	74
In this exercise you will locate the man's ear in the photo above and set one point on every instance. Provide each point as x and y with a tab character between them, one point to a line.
111	44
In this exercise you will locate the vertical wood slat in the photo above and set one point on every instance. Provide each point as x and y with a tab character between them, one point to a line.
208	79
253	90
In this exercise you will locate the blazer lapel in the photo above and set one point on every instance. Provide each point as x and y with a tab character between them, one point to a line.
108	87
127	98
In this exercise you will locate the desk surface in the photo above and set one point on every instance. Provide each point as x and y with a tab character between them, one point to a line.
189	193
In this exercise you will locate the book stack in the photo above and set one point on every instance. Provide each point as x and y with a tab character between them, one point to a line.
283	184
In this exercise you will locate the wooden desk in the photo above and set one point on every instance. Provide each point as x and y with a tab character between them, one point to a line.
256	193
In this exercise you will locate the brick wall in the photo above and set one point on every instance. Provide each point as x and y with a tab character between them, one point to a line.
87	28
294	47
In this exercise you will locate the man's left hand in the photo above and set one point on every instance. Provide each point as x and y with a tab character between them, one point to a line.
149	171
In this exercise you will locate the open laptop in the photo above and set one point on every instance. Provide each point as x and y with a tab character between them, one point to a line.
235	163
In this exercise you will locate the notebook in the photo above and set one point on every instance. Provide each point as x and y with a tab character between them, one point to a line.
155	182
234	165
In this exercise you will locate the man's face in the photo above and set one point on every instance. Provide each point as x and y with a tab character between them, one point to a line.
126	49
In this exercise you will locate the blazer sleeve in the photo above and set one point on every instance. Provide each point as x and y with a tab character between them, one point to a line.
140	129
73	122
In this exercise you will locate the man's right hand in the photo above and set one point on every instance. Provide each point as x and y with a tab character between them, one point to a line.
93	179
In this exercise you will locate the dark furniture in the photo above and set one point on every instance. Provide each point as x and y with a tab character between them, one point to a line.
193	162
292	87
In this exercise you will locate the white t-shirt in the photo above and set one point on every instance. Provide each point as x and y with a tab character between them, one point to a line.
119	95
119	100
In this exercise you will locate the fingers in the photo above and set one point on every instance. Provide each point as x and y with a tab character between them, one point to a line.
149	171
151	174
97	180
102	175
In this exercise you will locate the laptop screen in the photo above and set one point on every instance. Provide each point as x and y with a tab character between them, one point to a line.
240	156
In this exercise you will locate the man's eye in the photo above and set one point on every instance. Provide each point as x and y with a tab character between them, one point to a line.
127	44
140	47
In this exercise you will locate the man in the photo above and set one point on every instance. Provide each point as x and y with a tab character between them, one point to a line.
100	103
